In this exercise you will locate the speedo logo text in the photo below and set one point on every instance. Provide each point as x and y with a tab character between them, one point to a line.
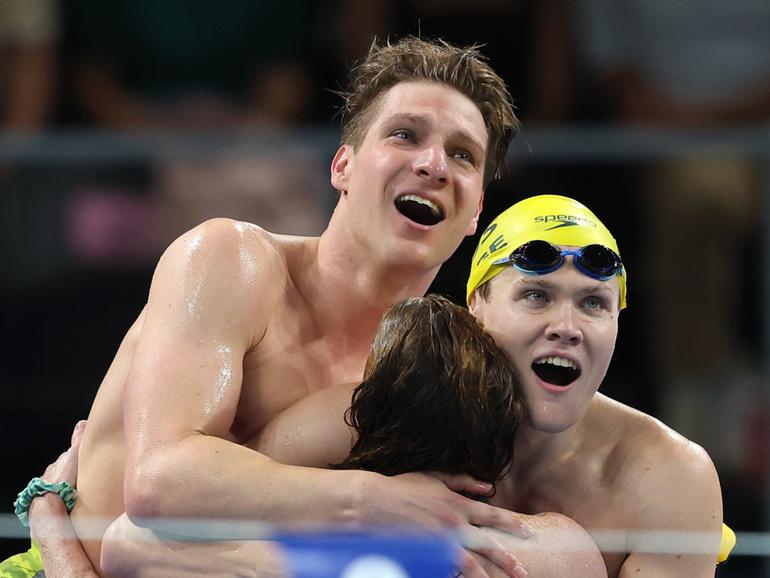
564	220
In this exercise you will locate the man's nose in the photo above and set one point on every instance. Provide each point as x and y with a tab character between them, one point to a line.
431	164
564	326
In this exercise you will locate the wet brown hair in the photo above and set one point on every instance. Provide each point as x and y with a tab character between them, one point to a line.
414	59
438	394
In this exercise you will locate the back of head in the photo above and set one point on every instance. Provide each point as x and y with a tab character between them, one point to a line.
414	59
553	218
438	394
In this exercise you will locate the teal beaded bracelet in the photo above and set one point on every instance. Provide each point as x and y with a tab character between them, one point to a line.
38	487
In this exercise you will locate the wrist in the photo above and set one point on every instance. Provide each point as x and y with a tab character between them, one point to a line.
363	489
47	516
47	504
38	487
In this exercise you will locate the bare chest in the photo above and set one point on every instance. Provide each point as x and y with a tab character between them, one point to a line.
286	367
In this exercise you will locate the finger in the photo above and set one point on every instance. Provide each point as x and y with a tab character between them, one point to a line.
471	567
51	473
485	544
506	561
511	522
463	483
77	433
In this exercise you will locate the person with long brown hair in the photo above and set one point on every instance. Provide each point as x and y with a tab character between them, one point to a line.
437	395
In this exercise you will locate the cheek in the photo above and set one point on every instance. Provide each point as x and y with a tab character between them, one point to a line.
605	344
512	344
472	191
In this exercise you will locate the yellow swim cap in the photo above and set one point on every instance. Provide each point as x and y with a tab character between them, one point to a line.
727	545
553	218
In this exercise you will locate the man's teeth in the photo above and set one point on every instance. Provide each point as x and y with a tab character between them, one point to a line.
435	209
560	361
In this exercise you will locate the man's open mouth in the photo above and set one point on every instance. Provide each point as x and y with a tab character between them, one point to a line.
556	370
419	210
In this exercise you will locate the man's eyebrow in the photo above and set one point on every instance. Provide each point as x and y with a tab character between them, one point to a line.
405	116
598	288
545	284
420	120
536	282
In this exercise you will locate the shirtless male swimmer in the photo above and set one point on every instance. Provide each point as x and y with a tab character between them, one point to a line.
547	283
240	324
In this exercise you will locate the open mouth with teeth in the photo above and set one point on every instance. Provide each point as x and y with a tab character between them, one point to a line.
556	370
419	210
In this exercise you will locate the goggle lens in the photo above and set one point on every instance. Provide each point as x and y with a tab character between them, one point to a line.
537	256
599	261
541	257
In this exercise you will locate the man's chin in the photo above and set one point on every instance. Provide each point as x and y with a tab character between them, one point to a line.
552	423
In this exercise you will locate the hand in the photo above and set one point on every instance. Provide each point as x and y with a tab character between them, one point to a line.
486	557
44	509
432	501
65	468
477	566
483	514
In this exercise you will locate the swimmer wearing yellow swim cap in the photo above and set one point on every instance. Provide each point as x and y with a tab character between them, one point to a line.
604	463
556	220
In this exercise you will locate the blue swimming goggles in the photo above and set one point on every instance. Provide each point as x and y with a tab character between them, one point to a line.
541	257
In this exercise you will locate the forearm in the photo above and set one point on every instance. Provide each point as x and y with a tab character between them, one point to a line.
130	551
63	555
204	477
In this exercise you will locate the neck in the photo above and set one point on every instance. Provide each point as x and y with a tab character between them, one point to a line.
537	450
349	292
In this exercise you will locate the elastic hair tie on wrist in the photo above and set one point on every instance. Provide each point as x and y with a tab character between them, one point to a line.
38	487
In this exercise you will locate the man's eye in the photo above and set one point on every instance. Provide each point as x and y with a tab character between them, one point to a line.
464	156
594	303
535	296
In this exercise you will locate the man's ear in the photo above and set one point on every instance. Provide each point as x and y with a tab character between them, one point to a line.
475	220
475	307
472	305
340	168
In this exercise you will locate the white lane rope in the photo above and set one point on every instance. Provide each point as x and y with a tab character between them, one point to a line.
662	542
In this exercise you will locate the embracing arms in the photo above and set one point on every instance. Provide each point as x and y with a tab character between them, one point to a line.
210	303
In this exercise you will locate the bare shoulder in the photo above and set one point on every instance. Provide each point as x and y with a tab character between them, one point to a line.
649	448
557	532
559	547
666	480
228	244
231	264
